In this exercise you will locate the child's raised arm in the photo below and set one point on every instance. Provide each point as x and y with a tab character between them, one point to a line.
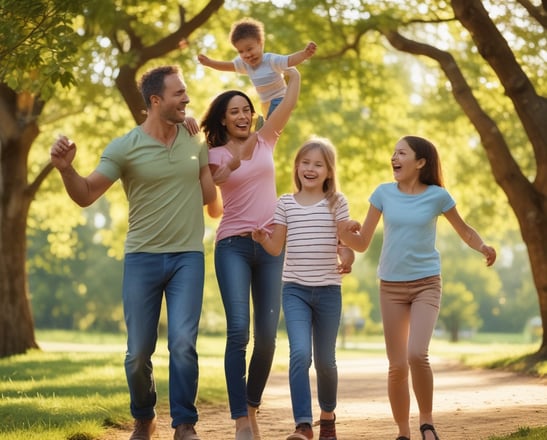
302	55
280	116
224	66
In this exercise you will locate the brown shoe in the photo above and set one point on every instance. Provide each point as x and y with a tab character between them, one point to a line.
143	430
327	430
185	431
303	431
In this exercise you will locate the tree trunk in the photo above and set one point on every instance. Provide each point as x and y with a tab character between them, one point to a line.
527	199
18	129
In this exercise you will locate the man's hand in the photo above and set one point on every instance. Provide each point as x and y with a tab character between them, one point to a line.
62	153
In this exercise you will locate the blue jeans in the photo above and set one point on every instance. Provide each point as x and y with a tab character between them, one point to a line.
273	105
312	315
242	265
146	277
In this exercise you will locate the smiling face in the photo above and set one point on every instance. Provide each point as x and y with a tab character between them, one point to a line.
312	170
238	117
172	102
405	166
250	50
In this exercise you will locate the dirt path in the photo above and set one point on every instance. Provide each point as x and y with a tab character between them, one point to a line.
469	405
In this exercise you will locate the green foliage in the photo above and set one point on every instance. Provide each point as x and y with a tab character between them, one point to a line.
480	284
458	310
38	43
66	292
504	292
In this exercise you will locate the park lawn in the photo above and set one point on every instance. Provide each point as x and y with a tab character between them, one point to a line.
75	387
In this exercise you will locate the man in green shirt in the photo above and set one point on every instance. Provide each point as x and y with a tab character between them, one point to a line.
166	178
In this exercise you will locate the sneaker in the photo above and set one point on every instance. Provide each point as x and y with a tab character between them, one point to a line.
143	430
303	431
327	430
185	431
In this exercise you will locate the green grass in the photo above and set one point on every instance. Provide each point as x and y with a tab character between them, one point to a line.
510	352
524	433
75	388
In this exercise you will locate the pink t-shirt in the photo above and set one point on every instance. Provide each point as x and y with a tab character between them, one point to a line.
249	195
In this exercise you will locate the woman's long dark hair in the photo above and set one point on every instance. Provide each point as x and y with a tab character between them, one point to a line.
211	124
431	173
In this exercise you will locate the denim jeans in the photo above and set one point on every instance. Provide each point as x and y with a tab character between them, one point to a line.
243	266
273	105
146	278
312	315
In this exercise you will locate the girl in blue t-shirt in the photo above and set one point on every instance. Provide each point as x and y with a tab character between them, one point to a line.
409	271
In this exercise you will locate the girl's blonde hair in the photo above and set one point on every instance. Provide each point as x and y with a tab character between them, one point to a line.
330	185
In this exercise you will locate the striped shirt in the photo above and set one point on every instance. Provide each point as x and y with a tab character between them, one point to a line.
311	257
267	77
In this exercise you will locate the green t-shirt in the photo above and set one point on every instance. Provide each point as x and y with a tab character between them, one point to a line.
163	189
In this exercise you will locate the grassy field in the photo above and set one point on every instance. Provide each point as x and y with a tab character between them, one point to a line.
75	387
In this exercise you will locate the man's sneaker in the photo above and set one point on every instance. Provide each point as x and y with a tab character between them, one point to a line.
143	430
327	430
185	431
303	431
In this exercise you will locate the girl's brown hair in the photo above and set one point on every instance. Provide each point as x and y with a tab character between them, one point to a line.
431	173
330	185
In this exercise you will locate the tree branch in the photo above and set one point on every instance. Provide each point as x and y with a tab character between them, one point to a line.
539	12
500	158
530	107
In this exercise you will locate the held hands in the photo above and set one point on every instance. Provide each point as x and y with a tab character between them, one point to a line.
489	252
352	226
62	153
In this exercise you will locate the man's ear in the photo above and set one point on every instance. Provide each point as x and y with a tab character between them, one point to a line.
154	99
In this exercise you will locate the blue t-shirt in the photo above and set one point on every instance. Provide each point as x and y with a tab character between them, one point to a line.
410	228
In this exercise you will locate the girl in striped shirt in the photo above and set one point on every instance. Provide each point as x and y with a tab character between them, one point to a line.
305	224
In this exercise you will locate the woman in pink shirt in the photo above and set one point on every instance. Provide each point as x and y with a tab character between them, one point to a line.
243	168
